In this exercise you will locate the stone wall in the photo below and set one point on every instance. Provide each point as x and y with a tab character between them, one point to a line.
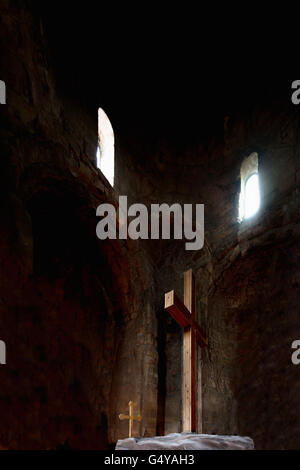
83	320
246	274
77	314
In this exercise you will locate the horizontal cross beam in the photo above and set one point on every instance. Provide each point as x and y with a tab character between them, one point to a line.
183	317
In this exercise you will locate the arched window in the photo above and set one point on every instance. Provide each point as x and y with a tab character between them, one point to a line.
252	195
106	147
250	192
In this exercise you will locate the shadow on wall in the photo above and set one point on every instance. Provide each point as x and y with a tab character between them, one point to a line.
64	318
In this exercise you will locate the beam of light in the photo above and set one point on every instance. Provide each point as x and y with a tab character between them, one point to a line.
252	196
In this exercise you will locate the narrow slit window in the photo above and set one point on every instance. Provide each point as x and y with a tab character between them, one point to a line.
106	147
252	196
250	191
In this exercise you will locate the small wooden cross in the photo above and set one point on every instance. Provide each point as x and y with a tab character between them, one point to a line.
130	417
185	315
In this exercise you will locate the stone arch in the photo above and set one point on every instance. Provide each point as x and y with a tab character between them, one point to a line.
77	313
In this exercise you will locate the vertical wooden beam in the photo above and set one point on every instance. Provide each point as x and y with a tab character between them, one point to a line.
199	410
130	418
189	359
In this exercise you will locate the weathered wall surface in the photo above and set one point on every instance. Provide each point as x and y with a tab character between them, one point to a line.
246	274
255	295
77	314
83	320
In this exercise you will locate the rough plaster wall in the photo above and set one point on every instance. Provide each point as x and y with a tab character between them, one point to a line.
77	314
246	275
255	294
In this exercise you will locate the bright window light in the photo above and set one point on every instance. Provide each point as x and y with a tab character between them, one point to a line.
106	149
249	203
252	196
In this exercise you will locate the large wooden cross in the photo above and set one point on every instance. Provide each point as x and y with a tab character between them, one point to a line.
185	315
